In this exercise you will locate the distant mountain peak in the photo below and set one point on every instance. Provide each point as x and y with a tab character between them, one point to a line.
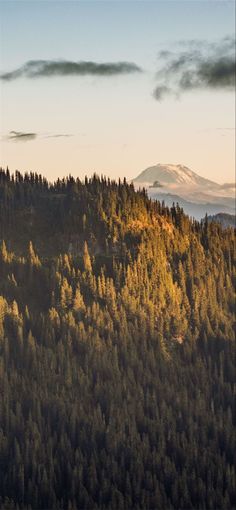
171	174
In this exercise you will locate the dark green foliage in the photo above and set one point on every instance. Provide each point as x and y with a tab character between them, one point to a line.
116	350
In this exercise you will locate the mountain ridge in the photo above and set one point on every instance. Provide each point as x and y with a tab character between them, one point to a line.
194	209
225	220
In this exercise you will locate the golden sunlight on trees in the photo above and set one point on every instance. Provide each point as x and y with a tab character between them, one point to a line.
117	355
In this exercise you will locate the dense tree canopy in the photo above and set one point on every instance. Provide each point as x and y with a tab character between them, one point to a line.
116	350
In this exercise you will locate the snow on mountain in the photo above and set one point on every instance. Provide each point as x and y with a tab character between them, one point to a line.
177	183
172	174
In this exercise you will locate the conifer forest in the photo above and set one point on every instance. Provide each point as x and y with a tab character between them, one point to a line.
117	351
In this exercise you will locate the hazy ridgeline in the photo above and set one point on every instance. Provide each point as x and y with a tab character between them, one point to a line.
116	350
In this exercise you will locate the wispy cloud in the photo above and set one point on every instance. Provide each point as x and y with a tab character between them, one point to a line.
20	136
196	65
65	135
216	129
49	68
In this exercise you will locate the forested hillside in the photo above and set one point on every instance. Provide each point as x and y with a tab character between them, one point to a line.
226	220
116	350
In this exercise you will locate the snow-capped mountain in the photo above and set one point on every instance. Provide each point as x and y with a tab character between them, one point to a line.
172	174
197	195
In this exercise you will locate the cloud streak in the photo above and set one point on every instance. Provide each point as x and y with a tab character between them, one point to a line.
197	65
52	68
58	136
21	136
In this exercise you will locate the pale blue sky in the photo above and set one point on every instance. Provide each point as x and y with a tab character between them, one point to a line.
118	127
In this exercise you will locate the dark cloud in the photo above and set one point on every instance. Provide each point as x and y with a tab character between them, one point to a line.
161	91
197	65
19	136
48	68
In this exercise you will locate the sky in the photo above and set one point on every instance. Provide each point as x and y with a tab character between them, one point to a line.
114	87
